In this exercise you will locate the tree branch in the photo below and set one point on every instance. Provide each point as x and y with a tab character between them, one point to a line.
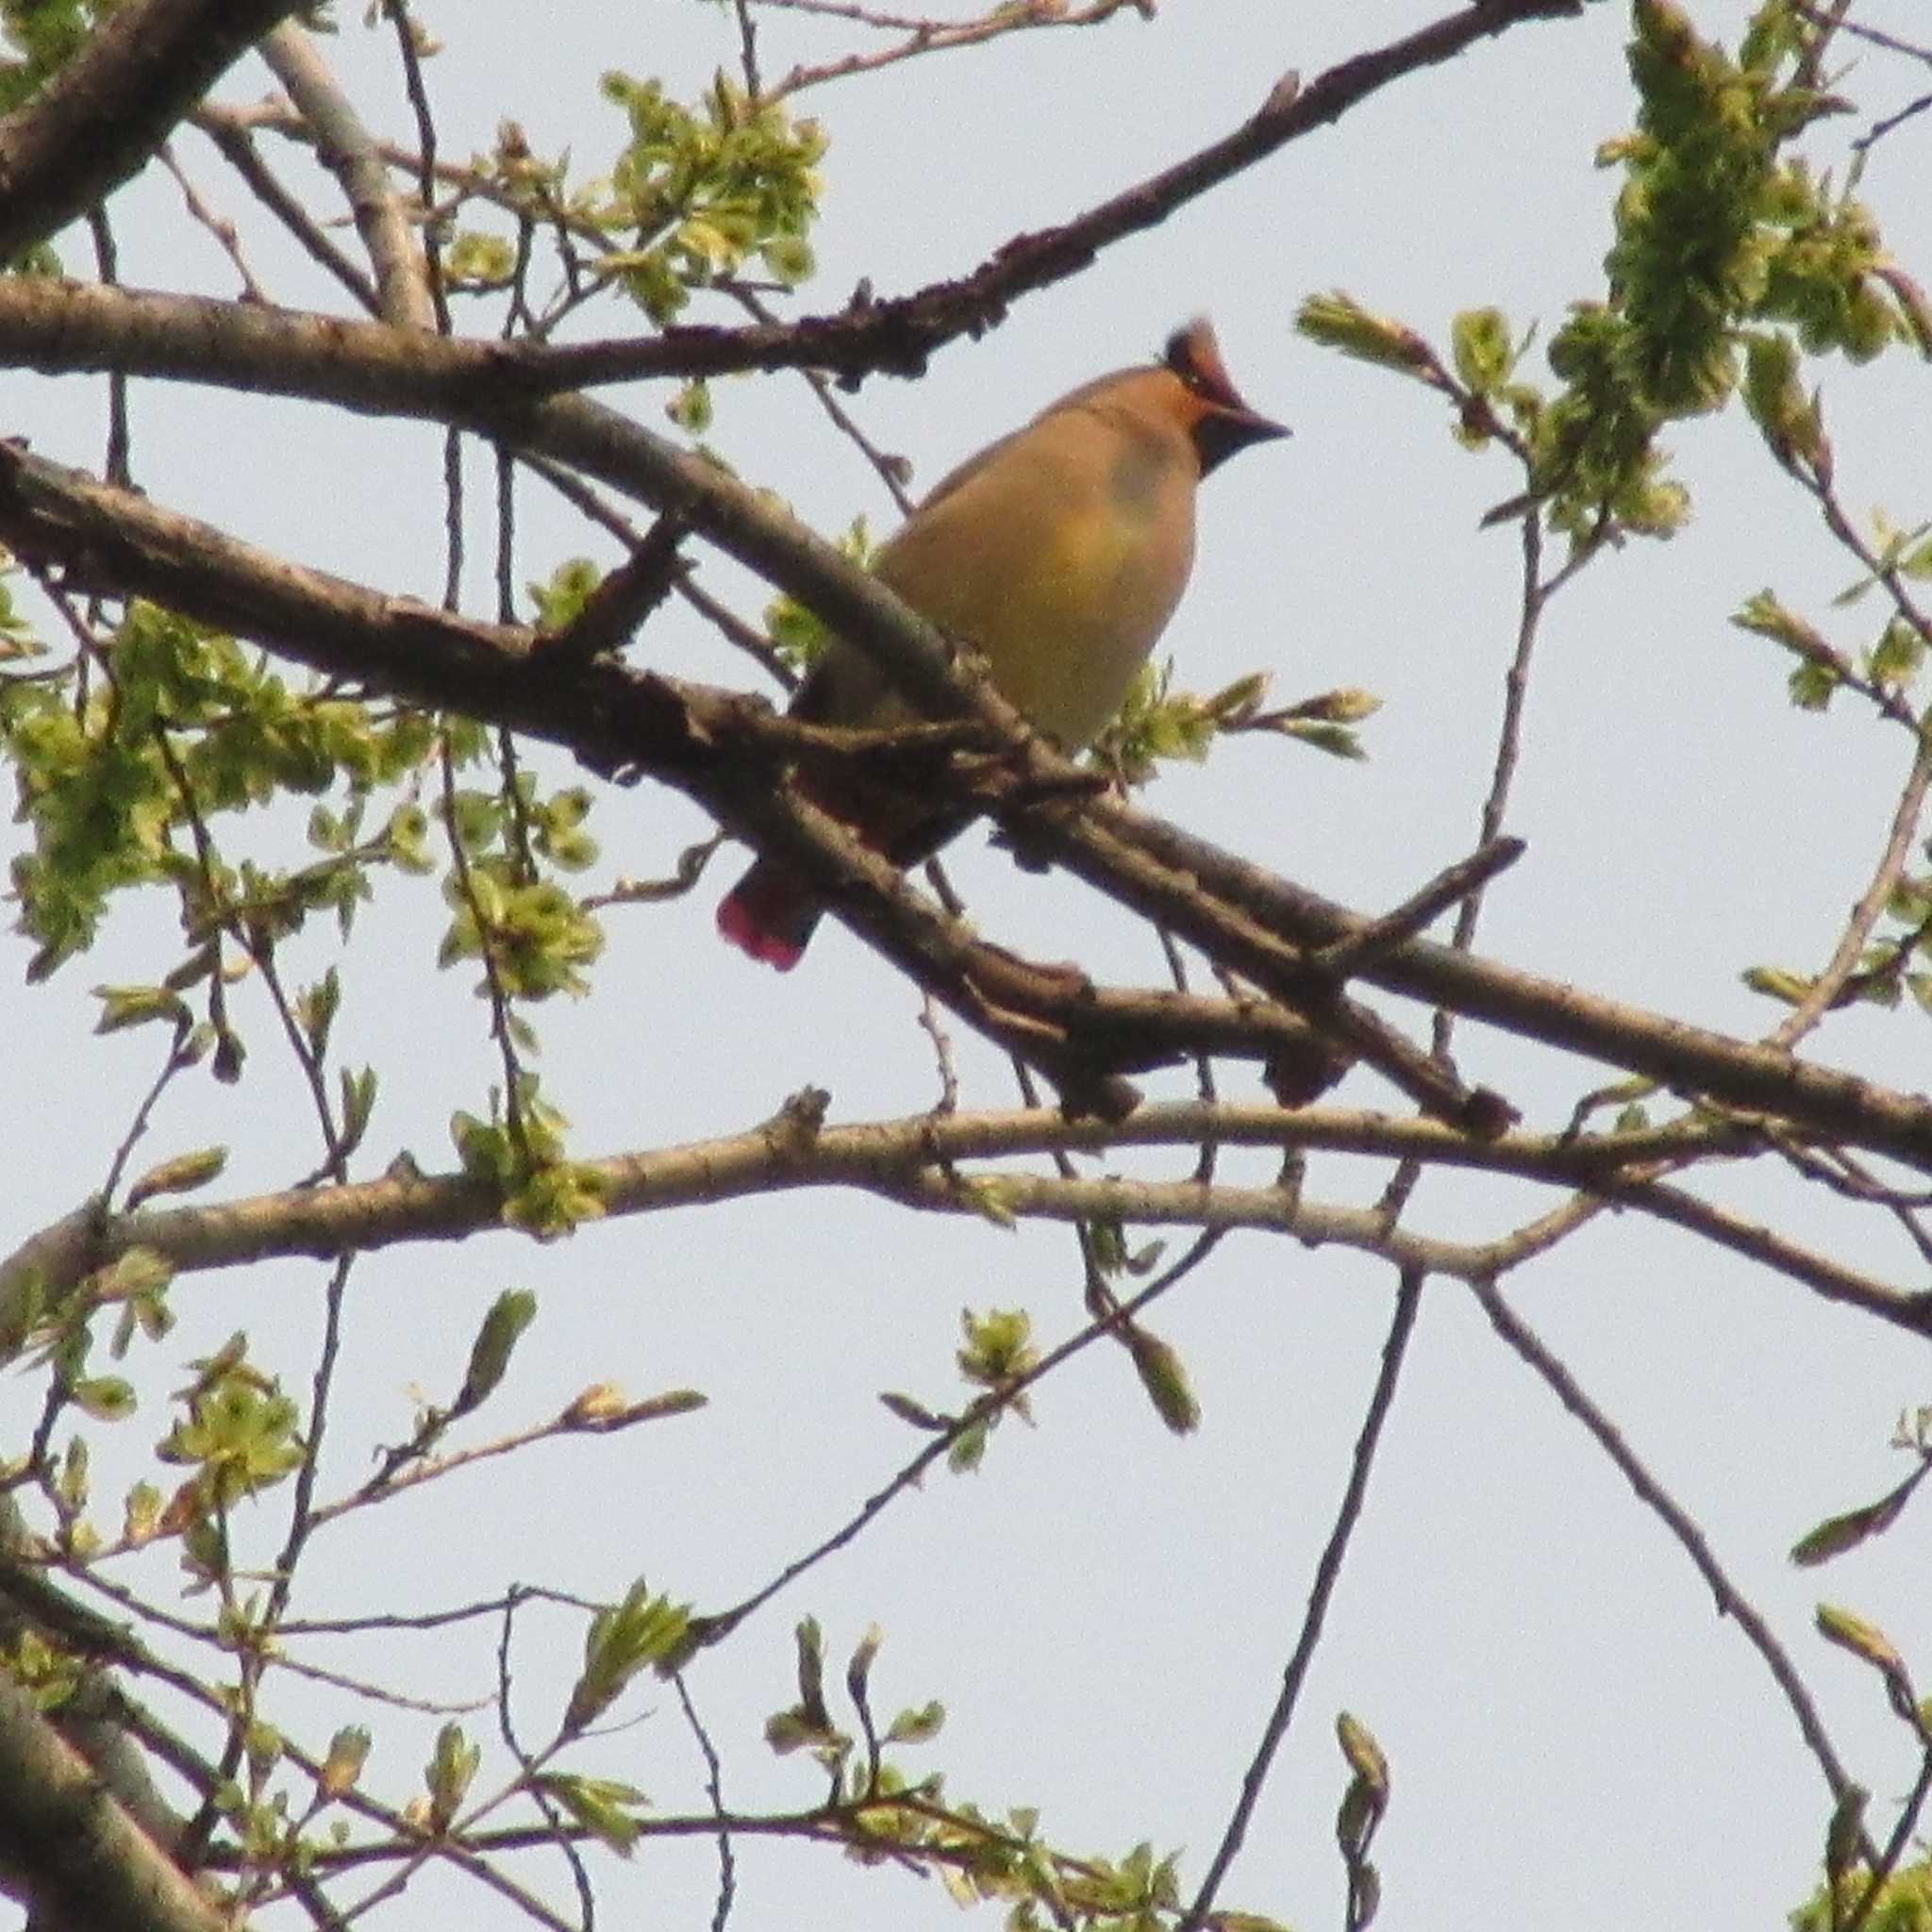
914	1163
344	146
69	1851
96	122
897	336
697	741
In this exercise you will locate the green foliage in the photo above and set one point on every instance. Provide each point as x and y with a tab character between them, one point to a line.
797	633
51	1675
1847	1531
1721	242
132	763
998	1346
122	776
1164	1375
697	193
690	408
348	1752
17	635
41	37
533	933
1158	724
543	1193
475	262
644	1631
239	1437
181	1176
1904	1903
602	1806
997	1350
509	1315
1337	320
448	1775
560	602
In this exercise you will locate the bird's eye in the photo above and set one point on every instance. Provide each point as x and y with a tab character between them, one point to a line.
1180	360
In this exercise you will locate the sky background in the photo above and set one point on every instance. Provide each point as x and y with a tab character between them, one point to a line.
1105	1609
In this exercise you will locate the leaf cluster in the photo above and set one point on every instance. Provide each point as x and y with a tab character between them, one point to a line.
125	759
697	193
1721	242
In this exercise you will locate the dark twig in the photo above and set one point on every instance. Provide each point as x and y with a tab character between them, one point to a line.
714	1790
237	147
623	602
1408	1296
1730	1602
1453	885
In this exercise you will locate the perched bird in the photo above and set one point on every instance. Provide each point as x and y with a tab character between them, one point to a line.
1060	552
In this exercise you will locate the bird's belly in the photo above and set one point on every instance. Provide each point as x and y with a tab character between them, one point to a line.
1068	616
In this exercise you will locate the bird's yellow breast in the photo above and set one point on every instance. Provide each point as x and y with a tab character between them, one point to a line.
1061	555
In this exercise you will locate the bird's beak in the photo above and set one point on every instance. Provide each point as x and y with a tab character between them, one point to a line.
1223	430
1222	422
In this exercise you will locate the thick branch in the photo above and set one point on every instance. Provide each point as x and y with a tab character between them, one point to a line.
613	718
897	336
724	751
1689	1060
913	1161
344	146
69	1851
98	121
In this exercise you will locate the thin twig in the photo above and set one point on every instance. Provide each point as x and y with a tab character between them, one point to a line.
1730	1600
1408	1296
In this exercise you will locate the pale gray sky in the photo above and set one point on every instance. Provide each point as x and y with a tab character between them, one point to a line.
1105	1610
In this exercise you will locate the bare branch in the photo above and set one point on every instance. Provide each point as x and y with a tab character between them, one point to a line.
69	1851
1408	1297
96	122
1728	1600
345	147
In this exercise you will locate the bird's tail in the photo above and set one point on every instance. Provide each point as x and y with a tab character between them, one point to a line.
769	914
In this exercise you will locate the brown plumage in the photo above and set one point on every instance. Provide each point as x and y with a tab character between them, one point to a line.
1061	551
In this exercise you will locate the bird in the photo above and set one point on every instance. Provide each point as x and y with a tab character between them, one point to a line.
1060	552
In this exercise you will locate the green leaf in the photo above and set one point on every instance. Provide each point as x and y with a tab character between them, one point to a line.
180	1175
858	1670
908	1410
139	1006
1337	320
359	1105
998	1346
1777	983
623	1639
449	1773
509	1315
598	1804
138	1271
988	1196
107	1398
1164	1377
1838	1534
1863	1640
348	1751
917	1725
1479	338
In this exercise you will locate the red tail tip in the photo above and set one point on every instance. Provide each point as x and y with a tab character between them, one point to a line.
740	924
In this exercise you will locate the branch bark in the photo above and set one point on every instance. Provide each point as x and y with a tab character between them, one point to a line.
914	1162
69	1850
614	717
96	122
